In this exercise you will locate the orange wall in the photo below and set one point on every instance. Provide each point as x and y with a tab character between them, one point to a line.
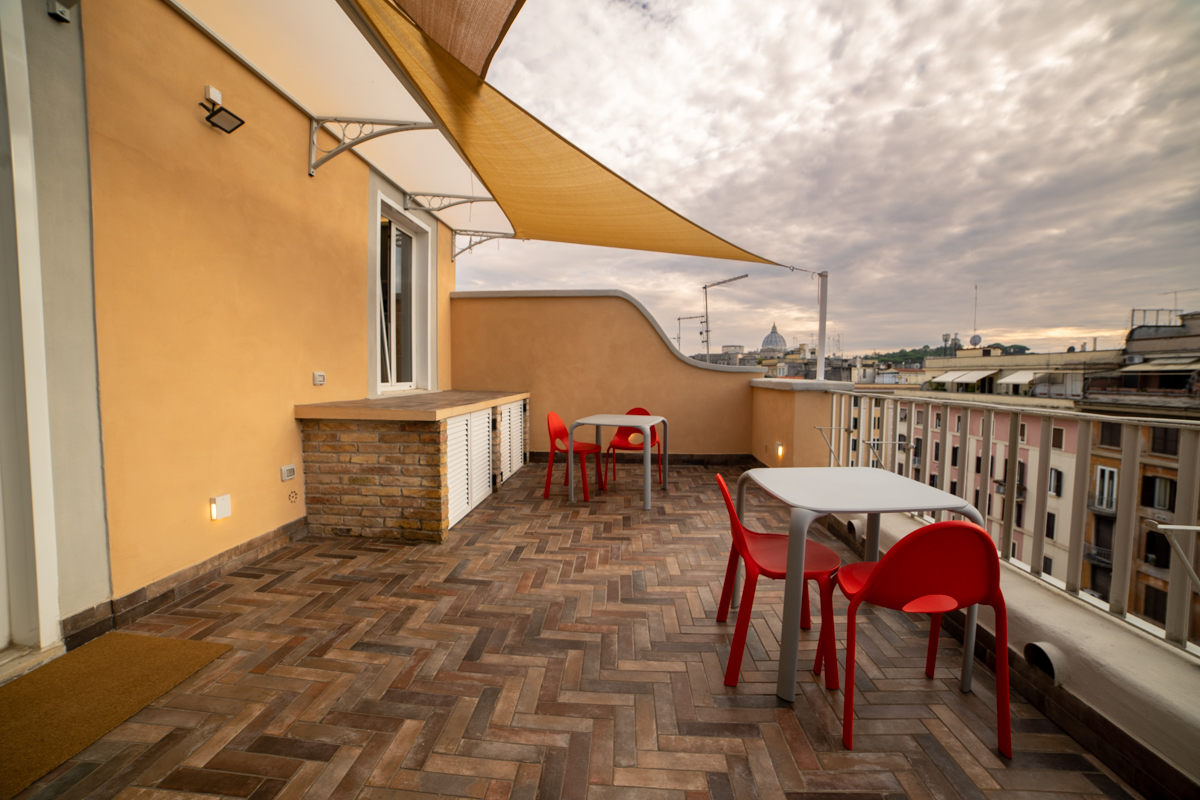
592	355
790	418
224	276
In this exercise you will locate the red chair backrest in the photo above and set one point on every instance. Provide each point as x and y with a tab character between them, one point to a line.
558	431
957	559
735	525
624	433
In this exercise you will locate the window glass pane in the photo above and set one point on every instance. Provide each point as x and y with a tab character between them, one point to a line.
1051	520
404	304
385	302
1056	440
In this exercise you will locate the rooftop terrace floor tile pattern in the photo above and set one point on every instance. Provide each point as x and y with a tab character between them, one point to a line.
551	651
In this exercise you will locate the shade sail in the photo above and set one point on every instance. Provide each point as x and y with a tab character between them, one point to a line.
470	30
1020	378
549	189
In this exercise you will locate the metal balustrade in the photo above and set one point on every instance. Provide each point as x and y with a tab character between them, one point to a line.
1083	524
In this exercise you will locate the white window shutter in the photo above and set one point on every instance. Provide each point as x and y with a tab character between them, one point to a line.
457	473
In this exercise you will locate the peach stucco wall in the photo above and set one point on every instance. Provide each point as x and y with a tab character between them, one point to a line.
224	276
790	418
595	355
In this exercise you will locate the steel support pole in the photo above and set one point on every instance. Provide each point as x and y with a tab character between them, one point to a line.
822	307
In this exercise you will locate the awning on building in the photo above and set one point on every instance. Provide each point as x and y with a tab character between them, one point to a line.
1020	378
548	188
1181	365
947	377
977	375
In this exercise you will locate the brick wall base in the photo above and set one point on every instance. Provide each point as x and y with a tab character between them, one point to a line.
379	478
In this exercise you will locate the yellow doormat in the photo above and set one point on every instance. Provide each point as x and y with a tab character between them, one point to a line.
62	707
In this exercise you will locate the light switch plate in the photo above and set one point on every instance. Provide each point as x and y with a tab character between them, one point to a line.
318	379
287	473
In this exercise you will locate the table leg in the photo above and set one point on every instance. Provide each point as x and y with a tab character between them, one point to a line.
570	472
793	594
871	550
969	648
645	429
971	513
666	456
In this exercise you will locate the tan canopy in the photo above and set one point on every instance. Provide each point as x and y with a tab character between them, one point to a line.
548	188
470	30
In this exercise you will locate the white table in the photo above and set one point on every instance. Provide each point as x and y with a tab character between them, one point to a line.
815	492
643	423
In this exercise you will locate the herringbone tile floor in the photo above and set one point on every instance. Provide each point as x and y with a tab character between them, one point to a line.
550	651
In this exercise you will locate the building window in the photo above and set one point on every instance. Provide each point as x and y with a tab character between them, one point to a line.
1158	493
1020	472
875	422
992	467
1048	565
1154	605
937	421
1158	550
854	445
954	456
1056	481
989	511
854	401
1051	520
978	464
1106	488
920	416
1164	441
954	488
917	447
1014	549
854	424
1056	438
395	307
976	503
916	474
402	347
1022	433
937	451
904	413
1020	515
1110	434
933	480
958	423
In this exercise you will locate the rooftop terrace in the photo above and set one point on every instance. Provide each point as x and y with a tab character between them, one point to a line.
551	651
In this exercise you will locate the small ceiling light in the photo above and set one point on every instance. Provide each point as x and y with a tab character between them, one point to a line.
219	116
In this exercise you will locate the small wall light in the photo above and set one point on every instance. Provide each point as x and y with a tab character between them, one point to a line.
220	507
779	449
219	116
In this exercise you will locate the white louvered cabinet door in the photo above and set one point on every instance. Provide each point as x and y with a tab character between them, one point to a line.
479	462
457	470
512	439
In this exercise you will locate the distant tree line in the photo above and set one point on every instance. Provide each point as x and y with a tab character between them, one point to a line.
921	353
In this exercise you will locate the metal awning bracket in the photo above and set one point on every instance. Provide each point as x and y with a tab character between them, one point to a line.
433	201
475	238
353	132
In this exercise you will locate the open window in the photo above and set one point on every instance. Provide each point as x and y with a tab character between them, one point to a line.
403	308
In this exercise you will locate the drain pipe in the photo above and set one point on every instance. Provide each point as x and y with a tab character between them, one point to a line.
822	305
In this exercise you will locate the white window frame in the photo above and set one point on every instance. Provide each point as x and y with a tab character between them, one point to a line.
424	305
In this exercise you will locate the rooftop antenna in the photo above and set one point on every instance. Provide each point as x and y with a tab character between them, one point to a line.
679	330
1175	309
976	339
707	330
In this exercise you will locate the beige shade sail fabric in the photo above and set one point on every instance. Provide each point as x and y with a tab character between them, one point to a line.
549	189
470	30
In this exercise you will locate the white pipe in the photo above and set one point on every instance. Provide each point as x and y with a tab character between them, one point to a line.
822	301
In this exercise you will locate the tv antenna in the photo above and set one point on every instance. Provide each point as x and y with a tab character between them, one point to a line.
1175	309
679	331
976	339
707	331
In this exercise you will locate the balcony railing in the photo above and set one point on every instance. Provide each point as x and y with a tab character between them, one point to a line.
1075	507
1100	556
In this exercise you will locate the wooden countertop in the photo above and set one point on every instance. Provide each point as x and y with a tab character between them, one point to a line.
417	406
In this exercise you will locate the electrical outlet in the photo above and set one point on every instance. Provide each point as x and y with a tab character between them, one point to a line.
318	379
287	473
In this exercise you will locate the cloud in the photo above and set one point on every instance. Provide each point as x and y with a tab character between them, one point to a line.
1044	152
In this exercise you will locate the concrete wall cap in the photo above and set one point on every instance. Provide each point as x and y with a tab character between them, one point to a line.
786	385
550	293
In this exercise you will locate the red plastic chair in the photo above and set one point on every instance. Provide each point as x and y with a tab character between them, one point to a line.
941	567
621	441
766	554
558	433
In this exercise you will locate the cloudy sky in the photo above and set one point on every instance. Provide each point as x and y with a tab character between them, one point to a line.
1047	152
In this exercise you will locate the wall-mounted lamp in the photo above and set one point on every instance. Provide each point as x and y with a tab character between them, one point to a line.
60	10
779	449
219	116
220	507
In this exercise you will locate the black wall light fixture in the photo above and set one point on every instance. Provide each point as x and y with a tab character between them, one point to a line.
218	116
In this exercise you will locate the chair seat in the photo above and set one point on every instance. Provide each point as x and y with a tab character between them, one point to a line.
770	552
852	576
580	447
931	604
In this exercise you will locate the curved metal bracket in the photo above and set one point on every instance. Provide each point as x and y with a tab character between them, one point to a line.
475	238
354	132
432	201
